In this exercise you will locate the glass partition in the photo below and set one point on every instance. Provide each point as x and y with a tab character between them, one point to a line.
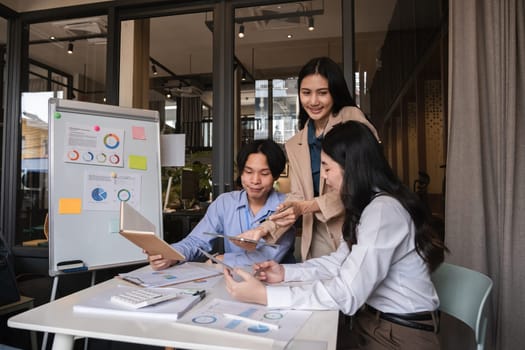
272	43
3	72
401	65
283	96
180	89
67	59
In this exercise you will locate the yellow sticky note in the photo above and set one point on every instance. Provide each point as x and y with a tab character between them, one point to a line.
69	206
138	133
138	162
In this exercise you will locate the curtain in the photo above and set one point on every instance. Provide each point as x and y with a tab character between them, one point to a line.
485	206
191	120
36	85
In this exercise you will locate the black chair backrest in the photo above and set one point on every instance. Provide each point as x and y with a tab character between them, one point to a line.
8	289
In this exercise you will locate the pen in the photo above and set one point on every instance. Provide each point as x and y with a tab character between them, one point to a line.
200	292
283	209
278	211
270	212
252	321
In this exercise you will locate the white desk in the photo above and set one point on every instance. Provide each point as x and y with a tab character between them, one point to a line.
320	331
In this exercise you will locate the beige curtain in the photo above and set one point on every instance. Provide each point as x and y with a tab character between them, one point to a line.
485	195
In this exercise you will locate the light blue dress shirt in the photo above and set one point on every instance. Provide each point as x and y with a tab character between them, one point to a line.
230	215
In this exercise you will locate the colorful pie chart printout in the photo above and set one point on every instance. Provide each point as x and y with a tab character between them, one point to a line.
86	144
105	191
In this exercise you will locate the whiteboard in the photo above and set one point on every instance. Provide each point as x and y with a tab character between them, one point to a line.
100	155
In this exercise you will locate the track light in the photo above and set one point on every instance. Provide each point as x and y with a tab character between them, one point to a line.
241	31
70	48
311	26
168	94
243	76
154	69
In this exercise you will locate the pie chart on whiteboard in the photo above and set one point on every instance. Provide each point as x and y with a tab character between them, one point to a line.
99	194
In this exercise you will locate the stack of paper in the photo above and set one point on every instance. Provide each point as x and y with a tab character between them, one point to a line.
169	310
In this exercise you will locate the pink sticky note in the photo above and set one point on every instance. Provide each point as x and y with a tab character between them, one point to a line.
138	133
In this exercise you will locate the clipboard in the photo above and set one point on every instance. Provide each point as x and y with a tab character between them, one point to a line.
241	239
141	232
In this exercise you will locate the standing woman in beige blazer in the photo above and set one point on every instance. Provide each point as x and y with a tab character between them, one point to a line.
324	102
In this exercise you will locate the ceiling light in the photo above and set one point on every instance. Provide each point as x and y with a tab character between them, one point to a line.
168	94
241	31
154	69
311	26
289	36
70	48
52	37
243	77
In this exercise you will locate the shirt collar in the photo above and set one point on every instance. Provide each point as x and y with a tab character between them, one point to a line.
311	134
269	207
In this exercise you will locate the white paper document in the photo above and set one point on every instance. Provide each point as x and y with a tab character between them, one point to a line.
169	310
279	325
173	275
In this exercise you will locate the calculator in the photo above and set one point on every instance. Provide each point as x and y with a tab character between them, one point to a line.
138	298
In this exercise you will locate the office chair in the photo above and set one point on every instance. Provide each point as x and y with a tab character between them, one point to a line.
463	294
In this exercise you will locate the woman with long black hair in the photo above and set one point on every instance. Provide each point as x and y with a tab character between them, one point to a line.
381	268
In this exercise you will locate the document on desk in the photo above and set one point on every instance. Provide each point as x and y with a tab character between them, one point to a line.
170	310
180	273
249	319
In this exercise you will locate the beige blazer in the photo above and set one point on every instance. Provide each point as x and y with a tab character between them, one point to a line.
331	208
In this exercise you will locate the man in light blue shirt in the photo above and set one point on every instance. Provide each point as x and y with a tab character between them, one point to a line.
259	164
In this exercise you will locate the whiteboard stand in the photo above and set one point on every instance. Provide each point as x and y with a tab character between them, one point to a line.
53	297
99	155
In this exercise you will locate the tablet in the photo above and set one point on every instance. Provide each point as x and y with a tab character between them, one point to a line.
241	239
215	260
140	231
153	245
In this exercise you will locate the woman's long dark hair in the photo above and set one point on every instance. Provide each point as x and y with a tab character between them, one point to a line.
367	172
327	68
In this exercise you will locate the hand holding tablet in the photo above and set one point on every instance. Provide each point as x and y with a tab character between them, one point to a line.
215	260
242	239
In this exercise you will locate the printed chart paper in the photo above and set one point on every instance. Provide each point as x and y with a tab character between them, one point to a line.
182	273
105	191
213	315
93	145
